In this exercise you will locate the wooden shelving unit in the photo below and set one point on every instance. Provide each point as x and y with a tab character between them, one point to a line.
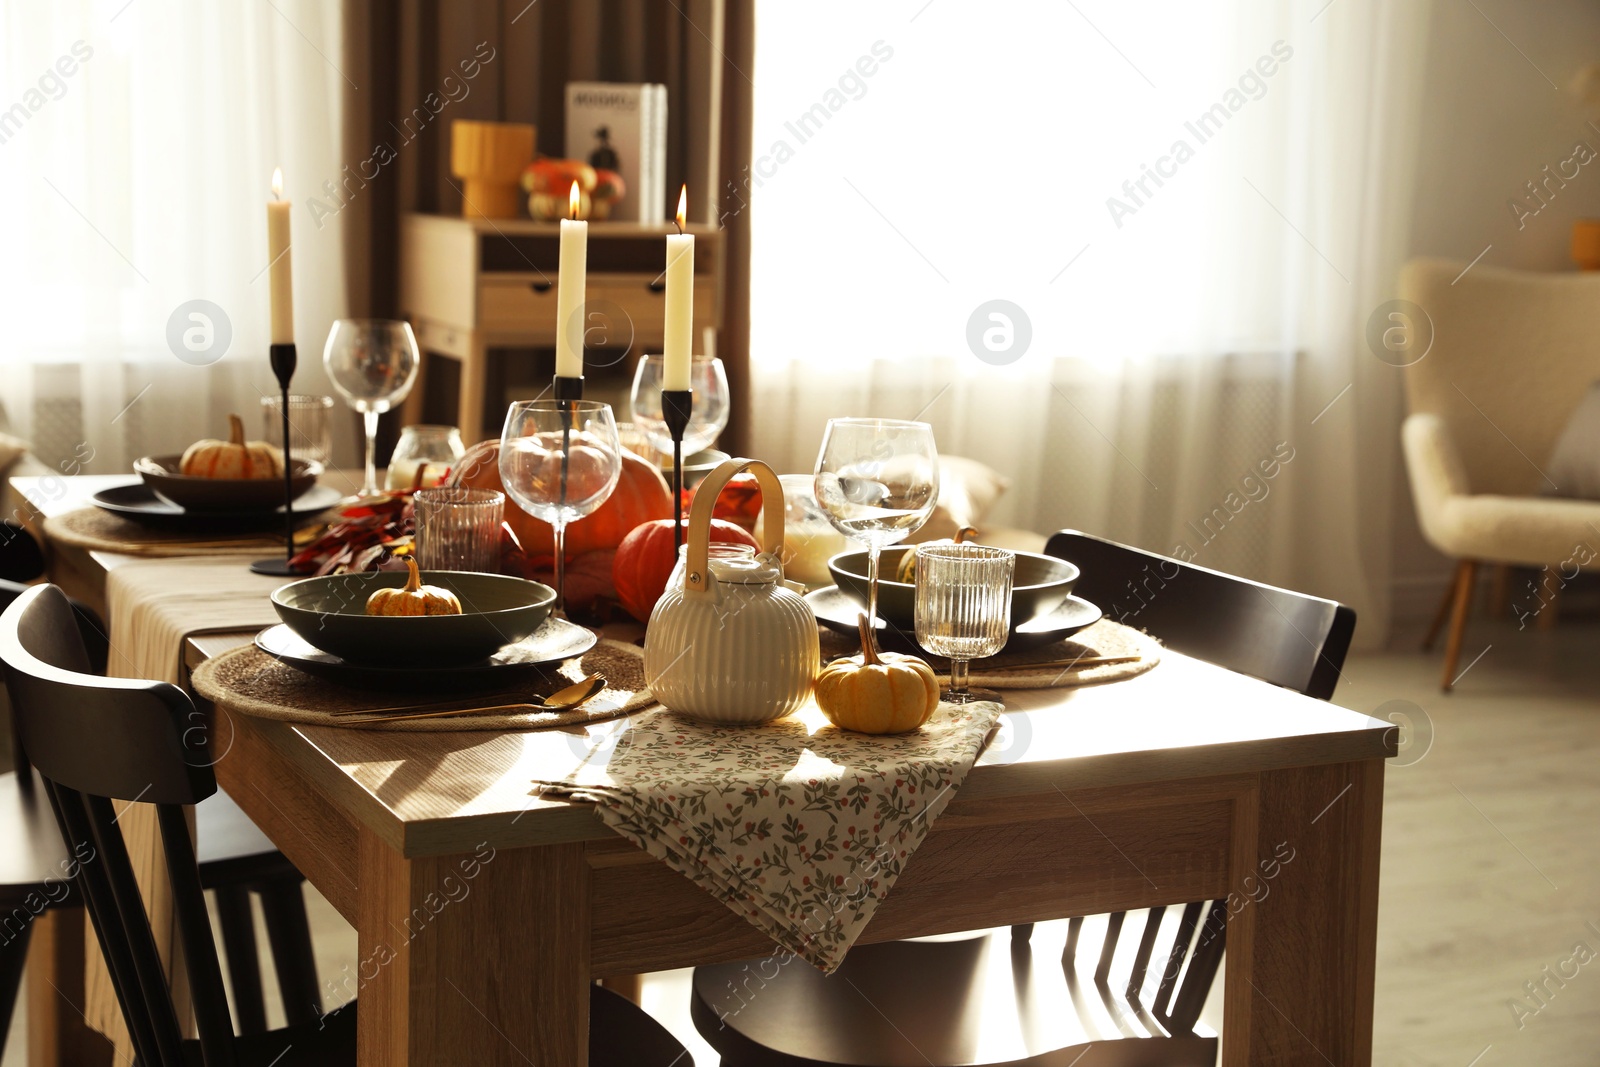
480	292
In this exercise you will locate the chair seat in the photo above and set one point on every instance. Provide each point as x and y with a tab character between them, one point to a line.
328	1042
231	848
32	853
996	1003
622	1035
1532	531
1528	530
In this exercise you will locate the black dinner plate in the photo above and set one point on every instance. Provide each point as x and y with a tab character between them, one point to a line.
137	501
837	611
555	640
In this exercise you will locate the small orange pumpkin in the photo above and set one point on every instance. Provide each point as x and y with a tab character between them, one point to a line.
877	692
413	598
645	559
907	570
235	458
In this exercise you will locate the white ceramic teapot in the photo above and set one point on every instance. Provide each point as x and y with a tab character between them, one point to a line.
730	642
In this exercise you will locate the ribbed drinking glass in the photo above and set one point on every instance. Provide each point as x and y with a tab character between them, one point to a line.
963	606
458	529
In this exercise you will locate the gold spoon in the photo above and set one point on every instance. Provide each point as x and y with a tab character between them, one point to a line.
567	699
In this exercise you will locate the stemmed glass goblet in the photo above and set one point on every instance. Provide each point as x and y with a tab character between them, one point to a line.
559	461
711	403
372	363
878	480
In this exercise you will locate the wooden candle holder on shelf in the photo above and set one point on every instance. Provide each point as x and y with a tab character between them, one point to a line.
489	158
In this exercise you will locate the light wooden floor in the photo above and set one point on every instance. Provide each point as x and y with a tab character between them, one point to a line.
1490	863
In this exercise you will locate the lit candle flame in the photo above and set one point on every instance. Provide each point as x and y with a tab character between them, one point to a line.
683	207
277	183
572	200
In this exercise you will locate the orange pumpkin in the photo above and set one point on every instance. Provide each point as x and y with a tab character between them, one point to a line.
877	692
641	496
413	598
234	458
645	560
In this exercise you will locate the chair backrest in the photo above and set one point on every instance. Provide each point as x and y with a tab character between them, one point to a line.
94	740
21	559
1287	638
95	643
1512	355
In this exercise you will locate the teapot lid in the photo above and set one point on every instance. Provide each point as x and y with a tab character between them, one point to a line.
747	570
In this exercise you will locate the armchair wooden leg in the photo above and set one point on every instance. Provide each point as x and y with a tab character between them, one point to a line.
1552	604
1444	610
1500	592
1466	579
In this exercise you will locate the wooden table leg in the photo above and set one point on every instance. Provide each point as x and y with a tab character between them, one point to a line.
1301	954
479	958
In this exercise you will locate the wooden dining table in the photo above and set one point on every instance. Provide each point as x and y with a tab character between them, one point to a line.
484	911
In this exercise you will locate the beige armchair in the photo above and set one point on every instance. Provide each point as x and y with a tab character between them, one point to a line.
1513	353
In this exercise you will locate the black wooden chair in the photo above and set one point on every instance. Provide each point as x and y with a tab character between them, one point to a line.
146	749
1283	637
236	861
935	1002
21	558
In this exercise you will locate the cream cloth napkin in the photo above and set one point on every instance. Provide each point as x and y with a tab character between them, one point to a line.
154	605
799	827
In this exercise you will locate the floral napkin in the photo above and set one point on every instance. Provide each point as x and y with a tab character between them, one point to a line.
799	827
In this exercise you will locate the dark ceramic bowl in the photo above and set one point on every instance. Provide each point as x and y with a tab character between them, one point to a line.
160	473
1039	585
331	613
695	467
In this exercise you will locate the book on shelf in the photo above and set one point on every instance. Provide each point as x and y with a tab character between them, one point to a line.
623	127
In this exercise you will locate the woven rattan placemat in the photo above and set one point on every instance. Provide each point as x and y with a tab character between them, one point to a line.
248	681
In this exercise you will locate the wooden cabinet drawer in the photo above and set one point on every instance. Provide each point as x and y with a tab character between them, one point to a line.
624	301
519	305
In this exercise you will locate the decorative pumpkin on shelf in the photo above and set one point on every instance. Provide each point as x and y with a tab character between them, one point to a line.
645	559
234	458
548	183
609	188
877	692
641	496
413	598
907	570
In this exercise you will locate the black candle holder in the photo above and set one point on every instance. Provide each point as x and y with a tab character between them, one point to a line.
677	405
566	390
283	360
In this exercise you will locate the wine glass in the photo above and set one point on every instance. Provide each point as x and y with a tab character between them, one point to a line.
963	606
559	461
711	403
372	363
878	480
308	426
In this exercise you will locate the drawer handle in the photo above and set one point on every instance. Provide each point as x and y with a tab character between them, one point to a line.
657	286
539	287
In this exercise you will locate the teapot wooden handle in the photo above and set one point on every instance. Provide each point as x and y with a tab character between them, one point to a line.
697	573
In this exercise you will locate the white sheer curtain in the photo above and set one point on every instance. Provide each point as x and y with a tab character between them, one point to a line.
137	143
1191	342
